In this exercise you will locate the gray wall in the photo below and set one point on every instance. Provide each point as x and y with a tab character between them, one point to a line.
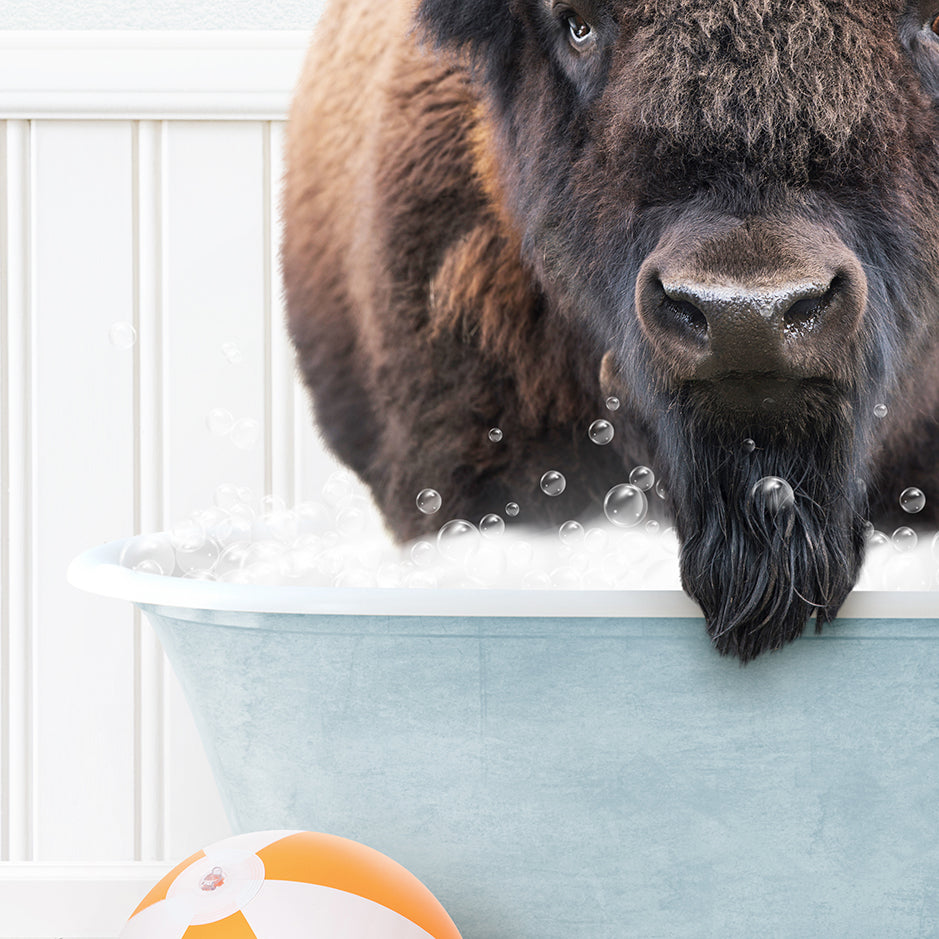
159	14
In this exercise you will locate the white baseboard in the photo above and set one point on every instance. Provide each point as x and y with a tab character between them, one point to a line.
72	901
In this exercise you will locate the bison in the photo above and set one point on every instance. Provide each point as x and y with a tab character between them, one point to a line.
724	212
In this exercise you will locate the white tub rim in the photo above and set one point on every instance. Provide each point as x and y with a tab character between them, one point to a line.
99	571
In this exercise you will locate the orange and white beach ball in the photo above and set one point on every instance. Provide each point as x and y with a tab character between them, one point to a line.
289	885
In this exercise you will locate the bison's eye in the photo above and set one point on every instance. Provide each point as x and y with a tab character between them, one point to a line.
580	30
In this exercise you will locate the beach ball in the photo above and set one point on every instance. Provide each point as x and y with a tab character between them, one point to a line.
289	885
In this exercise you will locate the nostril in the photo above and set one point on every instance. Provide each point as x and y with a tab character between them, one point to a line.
681	312
805	311
689	315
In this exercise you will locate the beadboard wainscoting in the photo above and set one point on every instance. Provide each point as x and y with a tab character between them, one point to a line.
140	177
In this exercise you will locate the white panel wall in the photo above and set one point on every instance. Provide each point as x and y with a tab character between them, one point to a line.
160	217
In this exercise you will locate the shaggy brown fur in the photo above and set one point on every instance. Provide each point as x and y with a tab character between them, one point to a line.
470	200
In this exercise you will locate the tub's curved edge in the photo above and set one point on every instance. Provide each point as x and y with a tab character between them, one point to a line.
99	571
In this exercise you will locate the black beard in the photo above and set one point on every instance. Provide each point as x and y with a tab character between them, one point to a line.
760	572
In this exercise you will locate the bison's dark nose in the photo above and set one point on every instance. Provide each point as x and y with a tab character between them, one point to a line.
752	301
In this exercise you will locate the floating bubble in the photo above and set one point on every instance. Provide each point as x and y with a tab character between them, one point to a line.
429	501
612	403
512	509
660	490
232	352
876	538
457	539
880	410
495	435
600	432
187	535
642	478
553	483
122	335
912	500
571	533
491	525
220	422
625	505
151	554
904	539
773	494
748	445
423	553
769	403
245	433
652	526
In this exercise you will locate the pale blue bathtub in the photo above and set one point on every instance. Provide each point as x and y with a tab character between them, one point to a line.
576	765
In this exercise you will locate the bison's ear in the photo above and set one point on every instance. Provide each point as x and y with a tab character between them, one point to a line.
471	24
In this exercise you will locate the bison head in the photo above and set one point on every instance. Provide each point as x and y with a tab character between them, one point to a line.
737	200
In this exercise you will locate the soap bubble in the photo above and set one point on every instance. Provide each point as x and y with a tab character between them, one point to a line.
904	539
245	433
748	445
600	432
187	535
912	500
457	539
351	520
567	578
512	509
312	517
232	352
612	403
201	558
773	494
571	533
596	540
151	554
491	525
486	565
281	526
339	487
220	421
428	501
625	505
423	553
880	410
876	538
122	335
536	580
495	435
642	478
271	504
652	526
660	490
226	495
421	580
553	483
